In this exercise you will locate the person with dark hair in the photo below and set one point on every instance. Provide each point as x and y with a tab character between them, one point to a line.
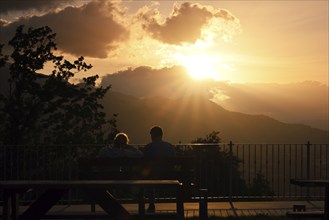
120	148
157	148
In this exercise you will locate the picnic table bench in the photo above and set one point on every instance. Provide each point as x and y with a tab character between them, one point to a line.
312	214
53	190
305	214
97	176
162	173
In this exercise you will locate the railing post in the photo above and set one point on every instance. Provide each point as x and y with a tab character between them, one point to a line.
70	172
231	170
308	168
203	204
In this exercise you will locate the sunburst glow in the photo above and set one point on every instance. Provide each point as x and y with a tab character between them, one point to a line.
200	66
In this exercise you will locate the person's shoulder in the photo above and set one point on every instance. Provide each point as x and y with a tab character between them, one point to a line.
132	152
149	145
168	143
170	149
130	147
133	148
108	151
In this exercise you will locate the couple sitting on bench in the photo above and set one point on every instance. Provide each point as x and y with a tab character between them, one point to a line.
157	148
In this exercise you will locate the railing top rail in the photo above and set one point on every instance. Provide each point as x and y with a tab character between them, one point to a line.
177	144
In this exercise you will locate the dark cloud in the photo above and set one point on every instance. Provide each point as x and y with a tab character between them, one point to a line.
22	5
90	30
146	81
184	24
3	22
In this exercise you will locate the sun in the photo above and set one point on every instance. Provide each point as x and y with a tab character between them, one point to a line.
200	66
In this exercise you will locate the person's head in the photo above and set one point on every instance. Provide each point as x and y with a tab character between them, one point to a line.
156	133
120	140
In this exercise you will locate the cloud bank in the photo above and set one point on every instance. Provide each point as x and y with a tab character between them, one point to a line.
185	24
105	29
90	30
23	5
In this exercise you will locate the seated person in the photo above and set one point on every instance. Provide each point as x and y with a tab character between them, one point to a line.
157	148
120	148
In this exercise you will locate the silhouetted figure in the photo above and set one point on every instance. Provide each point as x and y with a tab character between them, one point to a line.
120	148
157	148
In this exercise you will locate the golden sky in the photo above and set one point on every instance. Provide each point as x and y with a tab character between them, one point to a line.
236	41
256	57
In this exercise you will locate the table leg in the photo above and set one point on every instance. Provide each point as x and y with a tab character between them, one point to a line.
180	202
141	203
326	203
14	206
6	205
41	206
109	204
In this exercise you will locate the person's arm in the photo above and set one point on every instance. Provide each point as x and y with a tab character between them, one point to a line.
103	152
133	152
146	151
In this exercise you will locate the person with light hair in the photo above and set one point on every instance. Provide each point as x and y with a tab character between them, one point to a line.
120	148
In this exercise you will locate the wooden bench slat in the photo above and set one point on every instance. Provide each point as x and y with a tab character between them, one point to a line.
49	184
103	215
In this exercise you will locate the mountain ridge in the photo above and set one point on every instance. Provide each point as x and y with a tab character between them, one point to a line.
186	118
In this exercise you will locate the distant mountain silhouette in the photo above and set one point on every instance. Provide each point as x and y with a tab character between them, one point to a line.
185	119
276	100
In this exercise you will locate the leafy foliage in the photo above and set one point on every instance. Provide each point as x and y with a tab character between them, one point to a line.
216	166
3	58
48	108
218	170
260	186
211	138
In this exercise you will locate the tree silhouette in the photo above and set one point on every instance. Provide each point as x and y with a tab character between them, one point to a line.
41	108
214	166
211	138
3	58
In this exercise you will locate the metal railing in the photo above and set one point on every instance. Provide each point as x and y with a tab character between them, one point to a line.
227	170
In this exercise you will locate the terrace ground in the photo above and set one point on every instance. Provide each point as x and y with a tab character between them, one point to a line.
218	209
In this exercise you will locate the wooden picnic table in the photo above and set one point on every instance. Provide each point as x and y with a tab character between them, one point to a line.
316	183
94	189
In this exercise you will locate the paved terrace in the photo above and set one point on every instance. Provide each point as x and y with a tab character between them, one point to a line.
221	209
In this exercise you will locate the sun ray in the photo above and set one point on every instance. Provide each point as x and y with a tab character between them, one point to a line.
200	66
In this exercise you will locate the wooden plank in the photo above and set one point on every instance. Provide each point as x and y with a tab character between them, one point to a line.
109	204
103	215
136	168
82	184
137	161
313	183
41	206
306	214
